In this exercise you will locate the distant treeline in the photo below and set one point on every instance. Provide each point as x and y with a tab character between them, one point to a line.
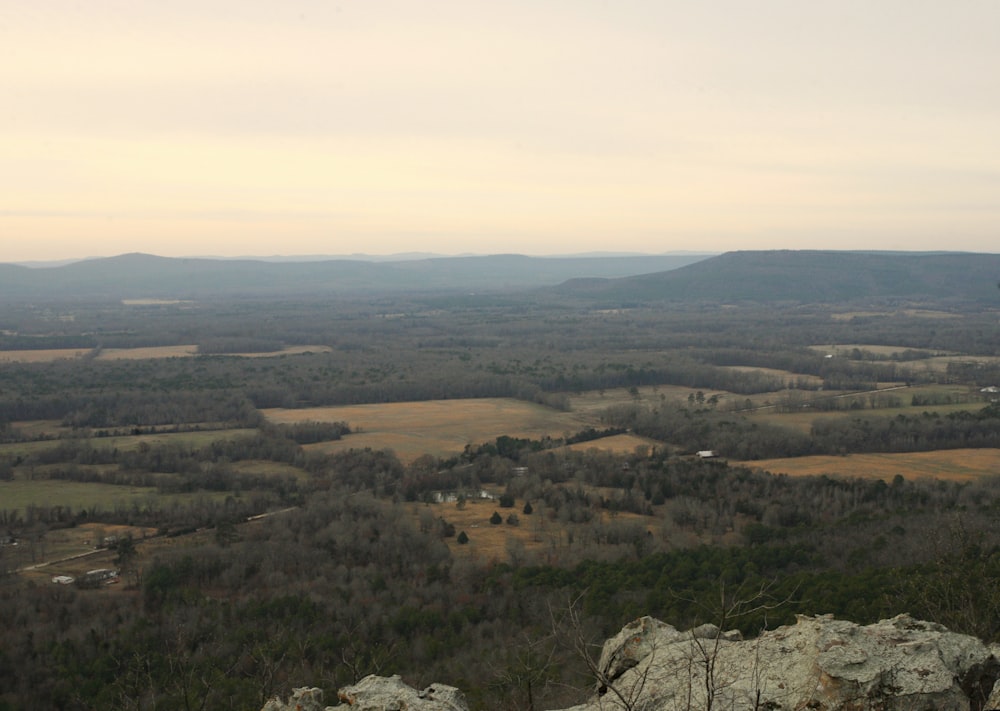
742	437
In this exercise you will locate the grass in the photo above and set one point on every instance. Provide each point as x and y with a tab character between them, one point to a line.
845	349
617	444
950	464
20	493
148	353
786	374
153	352
127	443
535	532
254	467
43	356
939	364
592	403
437	427
803	419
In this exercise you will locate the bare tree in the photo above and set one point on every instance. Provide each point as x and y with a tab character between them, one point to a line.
526	668
728	610
631	684
627	695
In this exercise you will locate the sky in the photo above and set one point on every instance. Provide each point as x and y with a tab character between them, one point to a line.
304	127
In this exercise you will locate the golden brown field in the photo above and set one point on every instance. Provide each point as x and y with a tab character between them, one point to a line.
534	533
617	444
42	356
185	351
789	375
289	350
951	464
148	353
438	427
192	350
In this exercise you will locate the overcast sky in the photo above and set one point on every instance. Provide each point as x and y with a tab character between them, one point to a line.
265	127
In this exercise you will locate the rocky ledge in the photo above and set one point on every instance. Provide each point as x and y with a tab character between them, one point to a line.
819	663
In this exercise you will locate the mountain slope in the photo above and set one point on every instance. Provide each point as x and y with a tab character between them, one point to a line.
147	276
808	277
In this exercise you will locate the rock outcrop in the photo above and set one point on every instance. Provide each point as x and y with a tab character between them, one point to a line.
817	664
376	693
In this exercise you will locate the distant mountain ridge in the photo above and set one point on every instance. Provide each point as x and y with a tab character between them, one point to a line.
137	275
791	276
806	276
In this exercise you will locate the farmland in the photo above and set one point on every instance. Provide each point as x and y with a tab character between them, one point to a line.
950	465
150	352
440	427
331	491
22	494
193	438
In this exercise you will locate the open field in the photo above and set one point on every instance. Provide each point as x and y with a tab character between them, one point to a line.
593	402
49	355
147	353
617	444
73	551
153	352
803	418
41	429
255	467
155	302
939	364
19	494
951	464
438	427
127	443
916	313
535	533
845	349
787	374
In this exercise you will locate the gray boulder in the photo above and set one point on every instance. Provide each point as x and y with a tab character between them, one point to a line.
375	693
379	693
303	699
819	663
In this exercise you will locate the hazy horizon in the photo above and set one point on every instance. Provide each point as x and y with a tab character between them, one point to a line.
389	127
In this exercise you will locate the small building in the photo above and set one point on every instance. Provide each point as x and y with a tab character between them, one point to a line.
100	576
63	579
707	454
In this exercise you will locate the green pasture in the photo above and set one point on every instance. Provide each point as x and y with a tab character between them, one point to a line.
254	467
127	443
802	419
22	493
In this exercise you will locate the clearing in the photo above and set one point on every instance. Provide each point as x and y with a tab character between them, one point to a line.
438	427
153	352
950	464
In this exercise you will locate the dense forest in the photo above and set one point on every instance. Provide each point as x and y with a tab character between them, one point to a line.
254	555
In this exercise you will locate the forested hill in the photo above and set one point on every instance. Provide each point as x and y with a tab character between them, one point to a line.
808	277
145	276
